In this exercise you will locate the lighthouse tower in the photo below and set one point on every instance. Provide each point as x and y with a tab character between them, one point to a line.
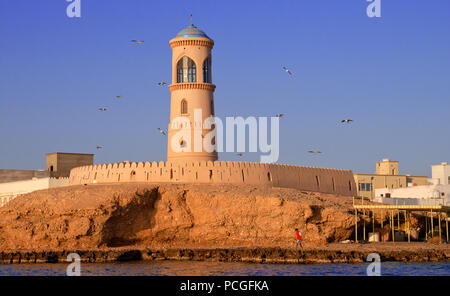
191	91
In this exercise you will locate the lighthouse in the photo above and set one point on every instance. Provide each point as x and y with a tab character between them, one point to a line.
192	97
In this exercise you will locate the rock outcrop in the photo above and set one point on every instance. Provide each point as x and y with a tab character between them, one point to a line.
138	215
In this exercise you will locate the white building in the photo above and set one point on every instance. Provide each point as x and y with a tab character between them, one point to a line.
11	190
436	193
441	172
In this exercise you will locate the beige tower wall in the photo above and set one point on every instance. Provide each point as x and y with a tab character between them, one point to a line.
220	172
62	163
198	95
387	167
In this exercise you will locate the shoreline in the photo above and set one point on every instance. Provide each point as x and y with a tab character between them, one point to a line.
332	253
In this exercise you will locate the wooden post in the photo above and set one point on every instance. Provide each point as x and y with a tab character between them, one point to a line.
392	225
364	225
398	219
446	224
432	226
426	226
381	216
356	225
440	234
409	227
373	224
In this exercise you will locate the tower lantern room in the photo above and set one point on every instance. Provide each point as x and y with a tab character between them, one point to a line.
191	89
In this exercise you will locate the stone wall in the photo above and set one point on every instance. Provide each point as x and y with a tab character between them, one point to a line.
11	190
20	175
220	172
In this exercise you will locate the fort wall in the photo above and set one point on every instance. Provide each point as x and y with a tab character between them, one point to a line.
220	172
11	190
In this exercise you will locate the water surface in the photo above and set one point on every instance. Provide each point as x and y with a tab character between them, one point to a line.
189	268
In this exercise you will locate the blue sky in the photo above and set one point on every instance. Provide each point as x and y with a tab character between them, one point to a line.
390	74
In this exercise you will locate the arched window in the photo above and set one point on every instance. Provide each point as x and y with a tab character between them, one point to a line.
184	107
207	70
186	70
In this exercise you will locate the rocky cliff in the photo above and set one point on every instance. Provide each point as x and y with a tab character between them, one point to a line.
172	215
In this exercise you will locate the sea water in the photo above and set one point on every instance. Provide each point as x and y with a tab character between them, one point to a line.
190	268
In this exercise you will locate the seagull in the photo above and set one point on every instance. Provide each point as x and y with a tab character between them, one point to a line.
162	83
279	115
346	120
162	131
102	109
138	41
287	70
239	154
314	152
99	146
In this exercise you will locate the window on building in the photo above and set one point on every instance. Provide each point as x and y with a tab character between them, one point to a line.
186	70
207	70
184	107
365	187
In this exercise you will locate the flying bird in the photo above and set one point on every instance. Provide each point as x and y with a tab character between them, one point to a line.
163	132
279	115
138	41
287	70
346	120
118	97
162	83
239	154
99	146
102	109
314	152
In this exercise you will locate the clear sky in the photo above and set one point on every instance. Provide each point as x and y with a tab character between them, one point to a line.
390	74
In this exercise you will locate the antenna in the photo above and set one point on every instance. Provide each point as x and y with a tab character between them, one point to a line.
191	19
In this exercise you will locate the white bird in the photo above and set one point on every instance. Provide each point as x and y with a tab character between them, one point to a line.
287	70
162	83
346	120
99	146
163	132
102	109
314	152
138	41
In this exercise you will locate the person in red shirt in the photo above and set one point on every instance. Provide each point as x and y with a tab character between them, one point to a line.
299	238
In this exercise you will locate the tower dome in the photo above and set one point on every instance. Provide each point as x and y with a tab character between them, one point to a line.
192	31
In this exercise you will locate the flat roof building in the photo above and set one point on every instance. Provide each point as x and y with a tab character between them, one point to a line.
386	176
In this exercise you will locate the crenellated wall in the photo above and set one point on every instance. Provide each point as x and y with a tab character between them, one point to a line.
220	172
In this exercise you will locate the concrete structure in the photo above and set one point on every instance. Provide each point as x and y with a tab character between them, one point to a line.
59	164
386	176
417	195
192	89
20	175
11	190
437	190
441	172
387	167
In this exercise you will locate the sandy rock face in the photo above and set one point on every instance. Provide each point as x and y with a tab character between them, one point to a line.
172	215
